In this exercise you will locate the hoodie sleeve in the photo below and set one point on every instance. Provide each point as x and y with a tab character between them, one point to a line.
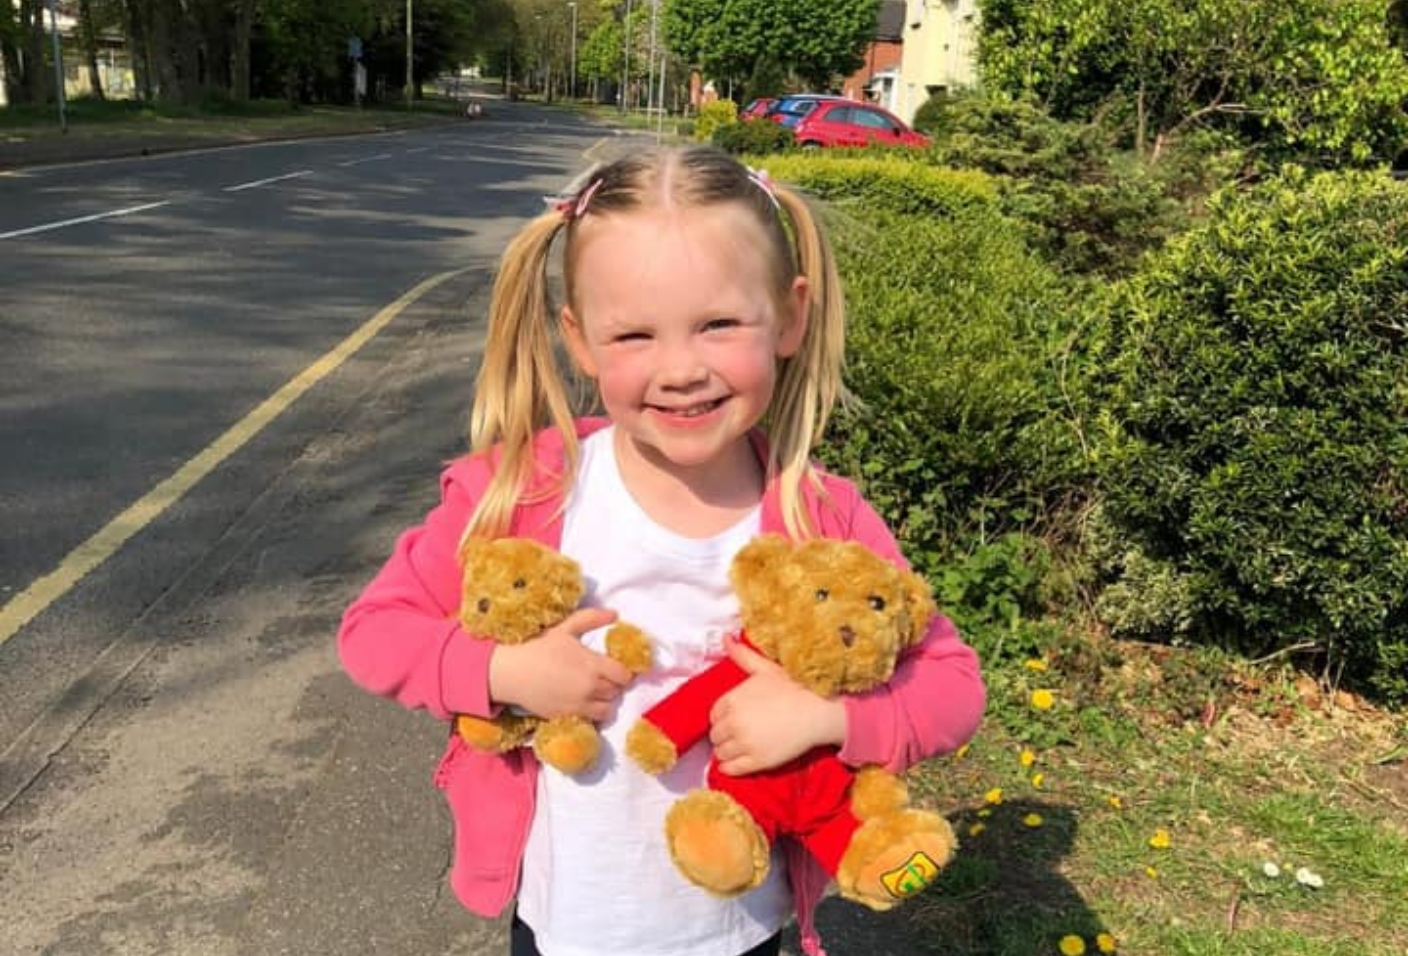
935	700
399	638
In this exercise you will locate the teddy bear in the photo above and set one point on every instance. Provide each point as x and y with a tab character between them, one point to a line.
835	616
514	589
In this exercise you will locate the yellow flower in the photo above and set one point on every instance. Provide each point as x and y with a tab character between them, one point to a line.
1072	945
1026	758
1105	943
1035	664
961	752
1043	699
1032	820
993	796
1038	779
1151	873
1160	840
985	813
1116	802
977	828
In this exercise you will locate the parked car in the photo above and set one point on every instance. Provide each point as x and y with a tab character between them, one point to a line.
788	110
840	122
757	109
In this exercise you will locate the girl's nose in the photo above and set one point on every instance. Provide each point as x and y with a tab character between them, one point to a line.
680	366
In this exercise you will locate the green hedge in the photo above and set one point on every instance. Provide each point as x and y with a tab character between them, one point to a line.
888	182
1255	441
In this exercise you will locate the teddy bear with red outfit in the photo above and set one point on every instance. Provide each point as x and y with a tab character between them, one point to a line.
835	616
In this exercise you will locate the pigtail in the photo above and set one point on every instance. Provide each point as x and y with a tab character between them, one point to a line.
810	383
520	388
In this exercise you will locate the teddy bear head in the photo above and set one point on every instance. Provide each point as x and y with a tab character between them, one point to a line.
515	588
834	614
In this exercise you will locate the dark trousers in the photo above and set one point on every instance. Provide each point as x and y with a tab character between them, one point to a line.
522	943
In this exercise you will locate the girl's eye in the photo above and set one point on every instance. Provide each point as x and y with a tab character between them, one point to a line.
632	337
714	325
877	602
822	594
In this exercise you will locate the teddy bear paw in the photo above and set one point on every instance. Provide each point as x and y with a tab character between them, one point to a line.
569	744
716	844
648	746
628	645
893	857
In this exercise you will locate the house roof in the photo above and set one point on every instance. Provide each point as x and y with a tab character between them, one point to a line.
891	23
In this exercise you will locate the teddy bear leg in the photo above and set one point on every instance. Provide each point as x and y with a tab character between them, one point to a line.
876	792
502	733
895	856
569	744
716	843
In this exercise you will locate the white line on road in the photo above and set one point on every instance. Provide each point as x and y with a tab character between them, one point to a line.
271	179
366	159
23	607
81	219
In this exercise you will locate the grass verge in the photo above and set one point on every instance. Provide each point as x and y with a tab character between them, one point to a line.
1147	800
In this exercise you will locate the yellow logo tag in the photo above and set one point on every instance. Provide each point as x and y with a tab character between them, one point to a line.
911	876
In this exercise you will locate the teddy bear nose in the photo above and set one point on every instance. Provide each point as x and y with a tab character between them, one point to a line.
483	605
848	636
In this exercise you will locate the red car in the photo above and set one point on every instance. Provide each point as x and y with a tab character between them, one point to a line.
758	108
847	123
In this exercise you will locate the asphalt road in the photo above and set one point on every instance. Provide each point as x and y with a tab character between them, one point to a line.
183	767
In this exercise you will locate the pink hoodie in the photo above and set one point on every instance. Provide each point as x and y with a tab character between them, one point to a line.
399	639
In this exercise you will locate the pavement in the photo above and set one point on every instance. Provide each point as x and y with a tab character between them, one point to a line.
216	785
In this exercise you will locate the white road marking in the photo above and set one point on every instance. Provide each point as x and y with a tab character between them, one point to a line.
365	159
271	179
82	219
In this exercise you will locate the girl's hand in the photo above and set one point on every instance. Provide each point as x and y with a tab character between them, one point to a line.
553	674
770	718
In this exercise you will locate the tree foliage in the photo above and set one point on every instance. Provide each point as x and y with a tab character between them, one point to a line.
814	40
1320	79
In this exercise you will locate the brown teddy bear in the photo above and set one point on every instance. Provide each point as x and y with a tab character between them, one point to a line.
514	589
835	616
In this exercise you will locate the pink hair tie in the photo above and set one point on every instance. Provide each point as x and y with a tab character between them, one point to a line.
575	206
761	179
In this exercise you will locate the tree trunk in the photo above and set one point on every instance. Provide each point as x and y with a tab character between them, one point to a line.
90	47
139	47
35	82
239	52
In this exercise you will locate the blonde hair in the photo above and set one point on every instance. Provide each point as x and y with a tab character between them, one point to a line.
524	385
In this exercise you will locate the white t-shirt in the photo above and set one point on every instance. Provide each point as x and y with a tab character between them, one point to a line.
597	875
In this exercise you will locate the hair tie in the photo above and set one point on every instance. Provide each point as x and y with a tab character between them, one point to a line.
575	206
761	179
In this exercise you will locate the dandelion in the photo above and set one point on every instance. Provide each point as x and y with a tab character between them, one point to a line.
1115	802
1308	877
977	828
1043	699
993	796
1071	945
1105	943
961	752
1038	779
1151	872
1032	820
1271	869
1035	664
1026	758
1160	840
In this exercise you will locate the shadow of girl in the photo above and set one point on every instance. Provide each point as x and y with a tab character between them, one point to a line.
1003	895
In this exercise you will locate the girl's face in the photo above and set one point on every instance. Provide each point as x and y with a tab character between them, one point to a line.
676	320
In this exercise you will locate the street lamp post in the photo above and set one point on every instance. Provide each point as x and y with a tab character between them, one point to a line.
410	54
58	64
572	83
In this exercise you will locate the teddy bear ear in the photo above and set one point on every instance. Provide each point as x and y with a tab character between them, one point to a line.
920	605
756	564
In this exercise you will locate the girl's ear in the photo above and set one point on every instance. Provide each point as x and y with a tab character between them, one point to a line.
794	318
577	342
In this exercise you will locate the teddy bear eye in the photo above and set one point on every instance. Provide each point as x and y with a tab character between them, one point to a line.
520	584
822	594
877	602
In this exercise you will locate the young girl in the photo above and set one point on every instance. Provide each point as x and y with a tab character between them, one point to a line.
702	302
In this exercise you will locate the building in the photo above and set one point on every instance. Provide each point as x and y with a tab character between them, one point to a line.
939	51
114	68
878	80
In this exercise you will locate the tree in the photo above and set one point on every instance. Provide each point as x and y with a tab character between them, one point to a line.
813	40
1319	79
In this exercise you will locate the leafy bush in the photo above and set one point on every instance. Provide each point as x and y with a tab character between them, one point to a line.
1256	441
756	136
889	181
953	348
712	116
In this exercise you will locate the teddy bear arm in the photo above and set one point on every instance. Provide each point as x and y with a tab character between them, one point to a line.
682	718
629	645
497	734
